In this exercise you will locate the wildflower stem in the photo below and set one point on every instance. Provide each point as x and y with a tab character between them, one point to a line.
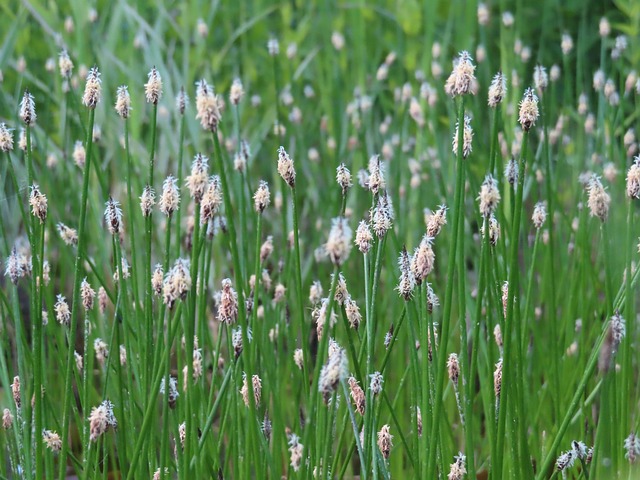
298	267
132	226
448	301
180	183
82	239
36	319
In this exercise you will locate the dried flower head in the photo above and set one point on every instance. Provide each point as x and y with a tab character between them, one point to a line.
539	215
385	441
170	197
198	180
147	200
101	349
497	379
338	244
182	100
334	370
376	381
113	216
376	181
511	172
38	203
63	313
93	89
228	307
262	197
353	312
177	282
357	395
497	90
467	138
633	179
65	65
153	87
364	237
52	440
458	468
6	138
7	419
286	168
295	449
528	114
462	77
87	294
68	235
27	111
489	196
453	368
382	218
208	106
97	422
211	200
423	259
632	448
123	102
15	391
599	200
343	177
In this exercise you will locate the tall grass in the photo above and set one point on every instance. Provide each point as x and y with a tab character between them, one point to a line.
385	257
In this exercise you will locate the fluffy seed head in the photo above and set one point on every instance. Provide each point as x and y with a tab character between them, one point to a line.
170	198
296	450
539	215
462	77
211	200
262	197
228	307
198	180
385	441
286	168
497	90
338	244
343	177
458	468
353	312
182	100
453	368
156	279
376	181
489	196
364	238
334	370
382	219
497	379
528	114
28	109
599	200
93	89
113	216
467	138
97	422
298	358
566	460
38	203
423	259
147	200
511	172
376	381
633	179
208	106
237	92
153	87
540	78
177	282
87	294
6	138
52	440
65	65
79	154
123	102
68	235
357	395
63	313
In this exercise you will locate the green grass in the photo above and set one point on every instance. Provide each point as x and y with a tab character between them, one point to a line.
561	380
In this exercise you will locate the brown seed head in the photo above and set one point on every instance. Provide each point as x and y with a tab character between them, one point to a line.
286	168
385	441
27	111
262	197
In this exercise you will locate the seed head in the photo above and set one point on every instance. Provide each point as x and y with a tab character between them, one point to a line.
528	114
113	216
153	87
15	391
273	46
262	197
353	312
102	299
65	64
364	238
375	181
357	395
462	77
383	215
68	235
453	368
633	179
467	137
97	422
123	102
228	308
237	92
295	449
497	379
511	172
28	109
266	249
87	294
211	200
434	221
7	419
315	292
147	200
423	259
343	177
38	202
177	282
540	78
79	154
385	441
458	468
566	44
376	380
208	106
489	196
334	370
566	460
93	89
599	200
63	314
6	138
286	168
182	100
198	180
539	215
338	244
101	349
52	440
170	198
632	447
298	358
497	90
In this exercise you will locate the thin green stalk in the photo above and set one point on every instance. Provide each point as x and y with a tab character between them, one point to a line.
298	267
132	227
446	318
180	183
82	239
37	353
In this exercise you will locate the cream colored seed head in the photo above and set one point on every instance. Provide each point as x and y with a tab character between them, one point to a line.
93	89
153	87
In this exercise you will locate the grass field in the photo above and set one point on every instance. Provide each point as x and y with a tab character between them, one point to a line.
319	239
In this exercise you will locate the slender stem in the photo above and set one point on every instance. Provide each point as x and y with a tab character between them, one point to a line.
37	353
82	239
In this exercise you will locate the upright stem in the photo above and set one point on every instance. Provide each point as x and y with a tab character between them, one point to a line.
37	353
82	239
448	300
298	268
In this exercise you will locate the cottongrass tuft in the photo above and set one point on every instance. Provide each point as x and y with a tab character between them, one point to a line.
93	89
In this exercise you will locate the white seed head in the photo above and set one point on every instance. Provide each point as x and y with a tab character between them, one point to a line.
497	90
28	109
286	168
528	114
170	197
338	244
123	102
462	77
93	89
153	87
